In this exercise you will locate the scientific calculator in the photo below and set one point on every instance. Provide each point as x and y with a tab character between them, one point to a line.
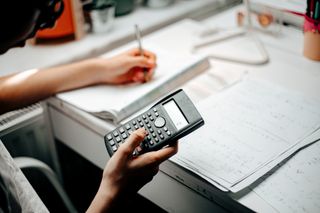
168	120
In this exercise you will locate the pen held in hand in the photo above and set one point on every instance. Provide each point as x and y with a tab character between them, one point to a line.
138	38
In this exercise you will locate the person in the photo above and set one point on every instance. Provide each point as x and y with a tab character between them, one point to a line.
124	174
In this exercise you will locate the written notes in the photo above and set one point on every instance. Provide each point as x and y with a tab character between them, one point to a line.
247	126
295	185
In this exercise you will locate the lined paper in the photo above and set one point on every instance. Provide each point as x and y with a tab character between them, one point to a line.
295	185
246	127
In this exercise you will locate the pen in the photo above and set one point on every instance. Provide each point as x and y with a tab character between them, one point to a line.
138	37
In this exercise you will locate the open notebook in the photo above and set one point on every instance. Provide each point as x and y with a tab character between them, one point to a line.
116	102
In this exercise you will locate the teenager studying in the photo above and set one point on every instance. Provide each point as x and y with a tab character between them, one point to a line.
123	174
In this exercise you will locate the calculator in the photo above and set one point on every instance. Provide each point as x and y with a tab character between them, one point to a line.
168	120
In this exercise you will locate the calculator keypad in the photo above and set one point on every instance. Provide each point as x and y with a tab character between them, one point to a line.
154	124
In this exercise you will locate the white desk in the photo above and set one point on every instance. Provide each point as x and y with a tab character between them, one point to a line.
122	32
83	132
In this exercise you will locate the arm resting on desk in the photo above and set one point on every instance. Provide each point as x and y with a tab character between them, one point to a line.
31	86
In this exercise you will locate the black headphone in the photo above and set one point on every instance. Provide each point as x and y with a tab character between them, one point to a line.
50	12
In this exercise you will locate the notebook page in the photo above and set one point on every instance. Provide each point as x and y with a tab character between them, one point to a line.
295	185
249	124
113	98
99	96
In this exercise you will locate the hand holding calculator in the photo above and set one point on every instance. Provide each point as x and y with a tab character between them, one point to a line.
168	120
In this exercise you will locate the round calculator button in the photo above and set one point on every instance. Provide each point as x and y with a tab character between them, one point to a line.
159	122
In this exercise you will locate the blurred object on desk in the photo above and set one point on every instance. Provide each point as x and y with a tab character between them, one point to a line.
311	29
124	7
101	15
285	9
70	26
267	20
220	36
158	3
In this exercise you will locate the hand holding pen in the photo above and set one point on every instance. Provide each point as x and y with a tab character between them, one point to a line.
146	73
136	65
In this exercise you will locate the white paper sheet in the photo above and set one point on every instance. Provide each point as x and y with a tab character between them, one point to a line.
114	101
295	185
247	126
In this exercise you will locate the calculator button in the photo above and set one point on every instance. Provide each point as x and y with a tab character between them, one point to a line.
169	133
128	126
121	130
144	117
151	142
148	125
156	114
130	132
134	122
154	109
111	143
139	119
114	148
151	118
161	136
109	137
151	130
154	135
159	122
149	138
136	127
115	133
159	131
156	139
141	124
145	145
118	139
165	128
124	135
149	114
146	121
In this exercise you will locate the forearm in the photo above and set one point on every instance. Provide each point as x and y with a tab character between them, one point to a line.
28	87
104	201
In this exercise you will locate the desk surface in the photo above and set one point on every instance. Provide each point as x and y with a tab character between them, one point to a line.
287	67
93	44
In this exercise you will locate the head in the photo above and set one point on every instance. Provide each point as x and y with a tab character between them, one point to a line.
20	20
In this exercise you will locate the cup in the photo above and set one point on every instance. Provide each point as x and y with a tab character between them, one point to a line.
102	17
311	47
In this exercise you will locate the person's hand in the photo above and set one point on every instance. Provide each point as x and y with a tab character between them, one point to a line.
127	67
125	174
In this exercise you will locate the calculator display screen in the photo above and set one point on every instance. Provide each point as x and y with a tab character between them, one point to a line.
175	114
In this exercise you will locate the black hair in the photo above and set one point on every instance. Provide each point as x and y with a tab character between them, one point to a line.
50	12
26	16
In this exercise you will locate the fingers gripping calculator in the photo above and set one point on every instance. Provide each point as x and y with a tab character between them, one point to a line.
168	120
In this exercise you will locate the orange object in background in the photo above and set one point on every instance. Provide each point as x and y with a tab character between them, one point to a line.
69	26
